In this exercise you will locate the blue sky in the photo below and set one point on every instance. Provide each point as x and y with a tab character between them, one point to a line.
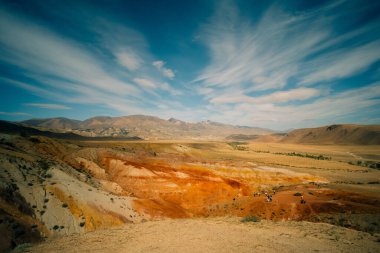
280	64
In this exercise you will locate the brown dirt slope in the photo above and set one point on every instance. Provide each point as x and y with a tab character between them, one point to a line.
54	123
336	134
216	235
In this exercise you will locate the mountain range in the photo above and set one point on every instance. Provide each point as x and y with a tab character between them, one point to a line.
145	127
154	128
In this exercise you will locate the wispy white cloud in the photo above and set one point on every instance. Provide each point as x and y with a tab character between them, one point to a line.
262	56
48	106
330	108
275	97
266	55
166	87
44	53
258	72
127	45
164	71
151	86
129	59
148	84
64	70
275	72
343	63
15	114
38	91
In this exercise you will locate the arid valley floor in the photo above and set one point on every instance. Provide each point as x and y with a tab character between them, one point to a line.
187	196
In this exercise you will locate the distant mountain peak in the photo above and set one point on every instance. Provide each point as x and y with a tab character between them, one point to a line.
145	127
174	120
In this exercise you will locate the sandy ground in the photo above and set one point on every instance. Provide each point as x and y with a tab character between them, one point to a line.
216	235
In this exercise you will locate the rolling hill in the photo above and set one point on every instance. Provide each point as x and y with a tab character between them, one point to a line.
344	134
336	134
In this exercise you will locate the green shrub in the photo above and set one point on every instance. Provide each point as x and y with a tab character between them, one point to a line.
250	219
43	164
297	194
48	175
237	146
34	140
316	157
24	247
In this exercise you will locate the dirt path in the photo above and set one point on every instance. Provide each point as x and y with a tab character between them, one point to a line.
216	235
354	156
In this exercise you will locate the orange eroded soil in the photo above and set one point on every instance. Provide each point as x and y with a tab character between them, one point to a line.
180	190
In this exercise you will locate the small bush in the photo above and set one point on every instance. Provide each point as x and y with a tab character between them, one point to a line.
55	227
24	134
22	247
237	146
368	164
297	194
64	205
43	164
82	224
342	222
48	176
250	219
34	140
316	157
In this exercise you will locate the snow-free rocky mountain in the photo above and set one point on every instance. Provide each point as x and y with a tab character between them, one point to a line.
145	127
